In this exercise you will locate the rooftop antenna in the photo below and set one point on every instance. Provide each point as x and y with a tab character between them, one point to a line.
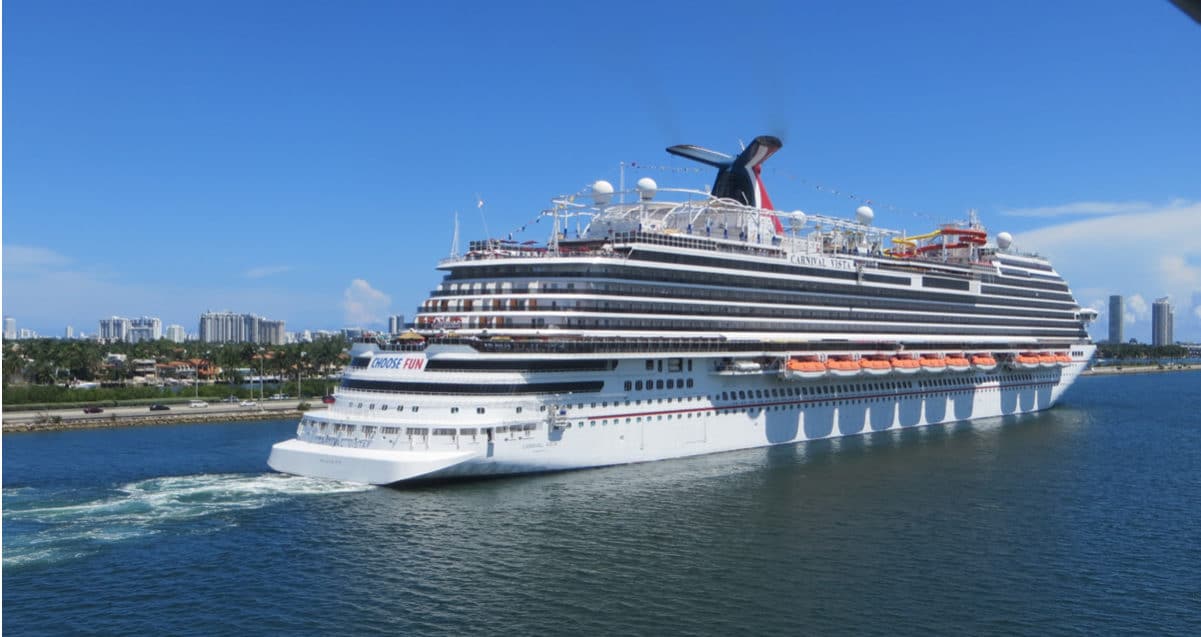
454	241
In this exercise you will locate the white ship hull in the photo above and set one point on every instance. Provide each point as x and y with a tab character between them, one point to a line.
660	426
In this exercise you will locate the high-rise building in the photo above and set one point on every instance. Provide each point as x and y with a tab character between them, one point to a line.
113	329
1161	322
175	333
1116	315
147	328
396	324
69	333
271	332
227	327
27	333
10	327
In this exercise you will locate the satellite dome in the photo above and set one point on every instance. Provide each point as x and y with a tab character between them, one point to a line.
864	215
602	192
647	188
798	218
1004	240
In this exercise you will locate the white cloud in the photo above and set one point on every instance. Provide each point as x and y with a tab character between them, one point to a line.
266	270
363	304
1090	208
22	257
1141	256
1136	309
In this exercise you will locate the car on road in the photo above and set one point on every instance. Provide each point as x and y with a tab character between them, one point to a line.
327	399
198	403
92	410
230	399
249	403
278	397
159	407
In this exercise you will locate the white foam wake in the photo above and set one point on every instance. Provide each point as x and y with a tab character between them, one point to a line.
37	532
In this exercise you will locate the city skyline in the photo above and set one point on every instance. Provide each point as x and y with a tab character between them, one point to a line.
327	197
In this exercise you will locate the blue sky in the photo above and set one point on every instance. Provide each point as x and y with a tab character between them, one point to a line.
304	160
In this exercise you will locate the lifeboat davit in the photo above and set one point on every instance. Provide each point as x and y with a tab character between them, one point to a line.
984	362
958	363
933	363
1047	359
843	366
875	366
1062	359
904	364
805	367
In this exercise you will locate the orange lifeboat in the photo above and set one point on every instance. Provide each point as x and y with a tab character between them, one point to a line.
933	363
958	363
1026	360
875	365
905	364
1047	359
843	366
805	367
984	362
1062	359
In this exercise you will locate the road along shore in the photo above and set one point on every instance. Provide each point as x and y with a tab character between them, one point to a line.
62	420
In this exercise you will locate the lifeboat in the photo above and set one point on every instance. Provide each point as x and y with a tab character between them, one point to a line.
1047	359
984	362
805	367
1026	360
933	363
843	366
1062	359
958	363
904	364
875	366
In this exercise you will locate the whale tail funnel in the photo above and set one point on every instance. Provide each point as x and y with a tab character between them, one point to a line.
737	177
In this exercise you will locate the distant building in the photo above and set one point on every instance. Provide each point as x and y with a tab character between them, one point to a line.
10	327
112	330
175	333
227	327
271	332
396	324
1116	315
69	333
27	333
1161	322
147	328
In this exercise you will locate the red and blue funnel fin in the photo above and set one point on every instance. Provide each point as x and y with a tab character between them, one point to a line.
737	177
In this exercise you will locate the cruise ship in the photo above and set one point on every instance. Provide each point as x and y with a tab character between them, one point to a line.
683	322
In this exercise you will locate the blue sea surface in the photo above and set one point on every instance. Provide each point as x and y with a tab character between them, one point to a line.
1082	520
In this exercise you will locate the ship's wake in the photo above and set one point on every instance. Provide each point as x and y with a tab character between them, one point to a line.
41	527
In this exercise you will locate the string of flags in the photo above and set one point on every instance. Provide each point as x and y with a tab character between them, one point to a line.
776	172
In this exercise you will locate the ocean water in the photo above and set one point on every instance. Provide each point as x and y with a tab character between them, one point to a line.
1082	520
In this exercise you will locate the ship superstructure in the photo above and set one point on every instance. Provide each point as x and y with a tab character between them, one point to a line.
690	322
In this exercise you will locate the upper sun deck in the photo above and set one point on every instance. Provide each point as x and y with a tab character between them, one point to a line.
697	220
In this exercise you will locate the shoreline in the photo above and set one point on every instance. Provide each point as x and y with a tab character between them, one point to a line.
116	422
1154	368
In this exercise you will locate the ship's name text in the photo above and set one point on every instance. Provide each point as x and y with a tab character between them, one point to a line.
823	262
392	362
